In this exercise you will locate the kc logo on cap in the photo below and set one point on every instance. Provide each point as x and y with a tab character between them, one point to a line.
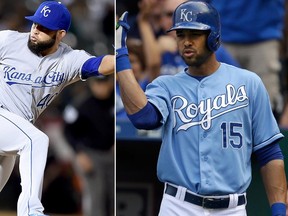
52	15
45	11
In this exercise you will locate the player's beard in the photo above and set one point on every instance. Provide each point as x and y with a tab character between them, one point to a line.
40	47
198	60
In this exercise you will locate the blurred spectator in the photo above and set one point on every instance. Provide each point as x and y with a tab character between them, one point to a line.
253	39
89	129
164	45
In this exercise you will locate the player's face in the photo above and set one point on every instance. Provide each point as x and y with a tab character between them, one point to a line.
41	39
192	46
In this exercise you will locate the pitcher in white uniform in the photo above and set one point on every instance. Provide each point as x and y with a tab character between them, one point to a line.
34	69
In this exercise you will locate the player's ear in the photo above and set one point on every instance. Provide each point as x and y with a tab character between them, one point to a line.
61	34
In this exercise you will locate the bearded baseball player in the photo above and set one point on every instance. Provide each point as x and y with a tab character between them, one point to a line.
213	116
34	69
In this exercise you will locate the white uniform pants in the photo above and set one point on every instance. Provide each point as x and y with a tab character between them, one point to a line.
19	137
176	206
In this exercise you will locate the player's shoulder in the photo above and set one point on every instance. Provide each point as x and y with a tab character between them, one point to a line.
239	73
67	50
171	80
65	47
12	33
7	32
11	36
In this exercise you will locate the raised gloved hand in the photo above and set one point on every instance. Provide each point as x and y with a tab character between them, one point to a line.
122	28
122	58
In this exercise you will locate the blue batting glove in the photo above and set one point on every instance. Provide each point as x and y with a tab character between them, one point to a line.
122	58
122	28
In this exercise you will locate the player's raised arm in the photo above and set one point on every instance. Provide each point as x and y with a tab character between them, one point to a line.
132	95
141	113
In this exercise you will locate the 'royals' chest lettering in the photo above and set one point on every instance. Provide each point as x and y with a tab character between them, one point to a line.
187	114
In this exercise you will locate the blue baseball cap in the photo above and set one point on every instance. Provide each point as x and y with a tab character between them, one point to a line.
52	15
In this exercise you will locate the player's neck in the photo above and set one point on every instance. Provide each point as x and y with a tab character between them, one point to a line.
49	51
205	69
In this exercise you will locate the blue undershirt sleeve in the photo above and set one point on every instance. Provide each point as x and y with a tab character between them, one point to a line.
147	118
268	153
90	67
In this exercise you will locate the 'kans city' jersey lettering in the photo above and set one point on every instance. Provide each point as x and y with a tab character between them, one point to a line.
12	76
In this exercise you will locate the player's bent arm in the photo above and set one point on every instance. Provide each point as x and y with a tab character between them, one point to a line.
107	65
141	113
148	118
133	97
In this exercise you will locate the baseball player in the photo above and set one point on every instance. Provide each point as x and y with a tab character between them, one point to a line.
213	116
34	69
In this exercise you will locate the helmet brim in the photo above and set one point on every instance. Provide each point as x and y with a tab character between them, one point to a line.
190	25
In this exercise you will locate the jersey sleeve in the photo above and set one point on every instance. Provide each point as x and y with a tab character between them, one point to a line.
4	35
91	67
74	62
265	128
158	95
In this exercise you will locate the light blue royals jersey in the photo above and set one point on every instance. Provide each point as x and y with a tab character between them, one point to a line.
29	83
211	127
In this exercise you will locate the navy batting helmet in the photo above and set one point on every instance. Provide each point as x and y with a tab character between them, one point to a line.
198	15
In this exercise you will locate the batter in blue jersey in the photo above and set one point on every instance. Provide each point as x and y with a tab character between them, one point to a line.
213	115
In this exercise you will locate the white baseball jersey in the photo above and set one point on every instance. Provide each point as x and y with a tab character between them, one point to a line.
211	127
29	83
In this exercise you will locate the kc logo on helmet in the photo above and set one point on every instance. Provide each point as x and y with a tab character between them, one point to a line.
45	11
186	15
